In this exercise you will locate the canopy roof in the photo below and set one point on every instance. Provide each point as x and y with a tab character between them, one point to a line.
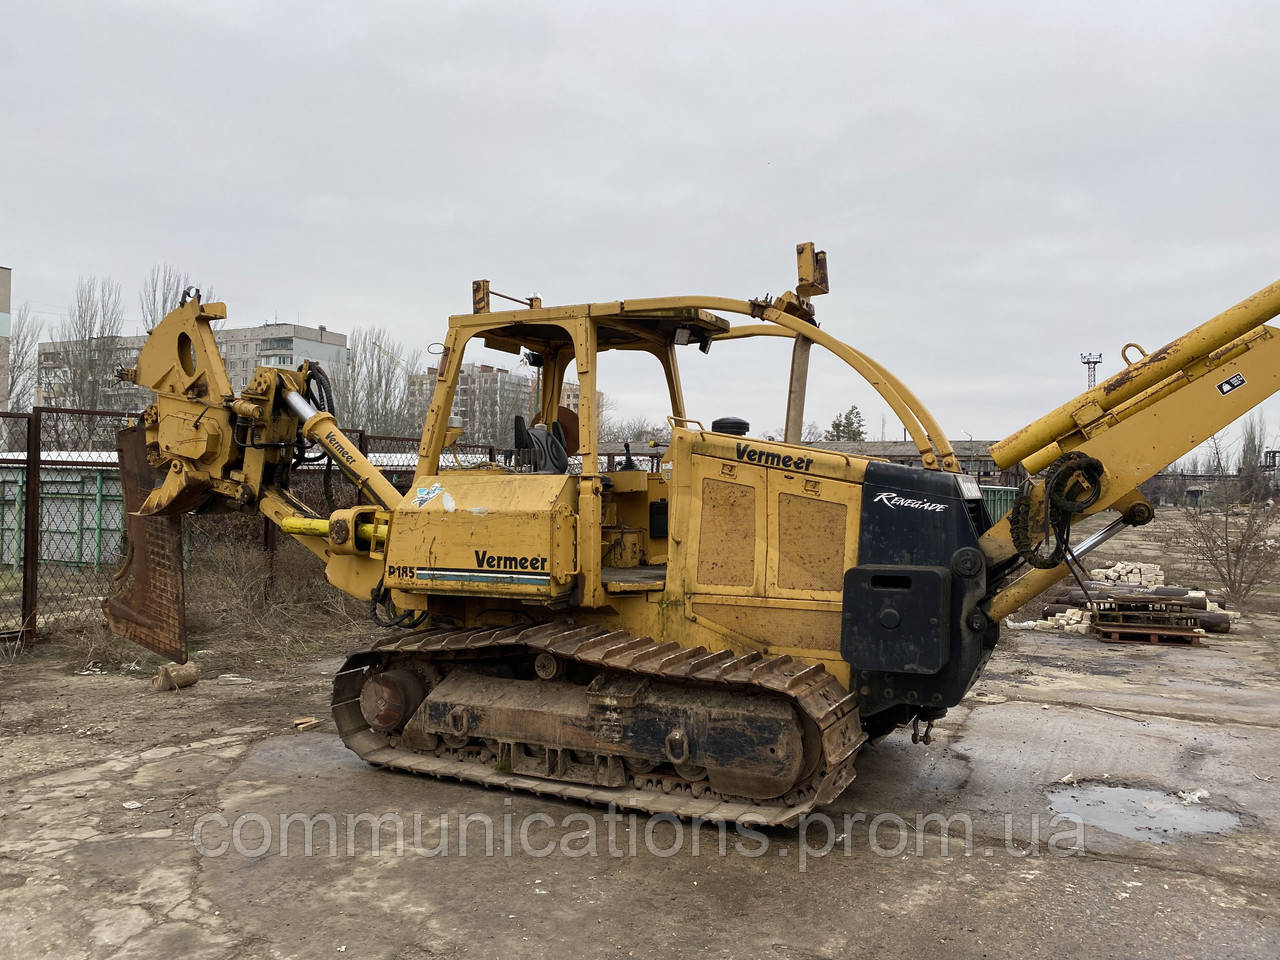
617	326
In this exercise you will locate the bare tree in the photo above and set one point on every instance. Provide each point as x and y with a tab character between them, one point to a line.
162	292
80	367
514	393
24	358
373	391
1254	481
1240	547
634	430
811	433
1239	540
1173	484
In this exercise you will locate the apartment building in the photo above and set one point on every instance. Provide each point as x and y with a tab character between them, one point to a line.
244	349
488	399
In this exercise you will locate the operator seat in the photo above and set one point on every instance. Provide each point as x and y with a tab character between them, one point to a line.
546	446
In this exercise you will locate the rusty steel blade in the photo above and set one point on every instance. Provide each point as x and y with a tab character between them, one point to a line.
146	604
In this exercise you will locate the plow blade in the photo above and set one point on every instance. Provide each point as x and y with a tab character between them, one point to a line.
146	604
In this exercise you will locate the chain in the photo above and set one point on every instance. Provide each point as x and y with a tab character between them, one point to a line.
1059	507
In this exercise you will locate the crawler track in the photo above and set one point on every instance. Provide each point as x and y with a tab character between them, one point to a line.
829	716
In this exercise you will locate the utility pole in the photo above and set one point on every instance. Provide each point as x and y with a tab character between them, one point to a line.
1091	360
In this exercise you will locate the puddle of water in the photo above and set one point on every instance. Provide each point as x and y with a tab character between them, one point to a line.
1139	814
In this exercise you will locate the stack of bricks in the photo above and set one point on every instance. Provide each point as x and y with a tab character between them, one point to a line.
1141	574
1069	621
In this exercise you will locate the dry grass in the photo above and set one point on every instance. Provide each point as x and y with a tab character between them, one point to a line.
246	613
89	647
246	610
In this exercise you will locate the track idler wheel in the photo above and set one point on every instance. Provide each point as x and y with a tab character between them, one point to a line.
389	699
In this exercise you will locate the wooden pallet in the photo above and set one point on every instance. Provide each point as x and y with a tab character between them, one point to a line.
1145	619
1146	633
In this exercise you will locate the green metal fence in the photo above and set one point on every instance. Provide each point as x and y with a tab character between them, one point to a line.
999	500
13	510
82	514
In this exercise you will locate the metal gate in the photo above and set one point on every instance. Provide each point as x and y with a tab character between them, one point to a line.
61	518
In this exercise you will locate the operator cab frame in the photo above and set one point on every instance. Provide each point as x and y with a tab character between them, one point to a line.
627	507
564	336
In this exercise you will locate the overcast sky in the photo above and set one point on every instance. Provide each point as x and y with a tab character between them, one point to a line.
999	186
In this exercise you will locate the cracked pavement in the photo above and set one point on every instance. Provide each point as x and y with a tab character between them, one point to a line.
104	781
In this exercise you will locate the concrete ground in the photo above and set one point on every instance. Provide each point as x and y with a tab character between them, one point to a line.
104	781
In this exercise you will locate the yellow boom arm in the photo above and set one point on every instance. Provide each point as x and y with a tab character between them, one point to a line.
1144	418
